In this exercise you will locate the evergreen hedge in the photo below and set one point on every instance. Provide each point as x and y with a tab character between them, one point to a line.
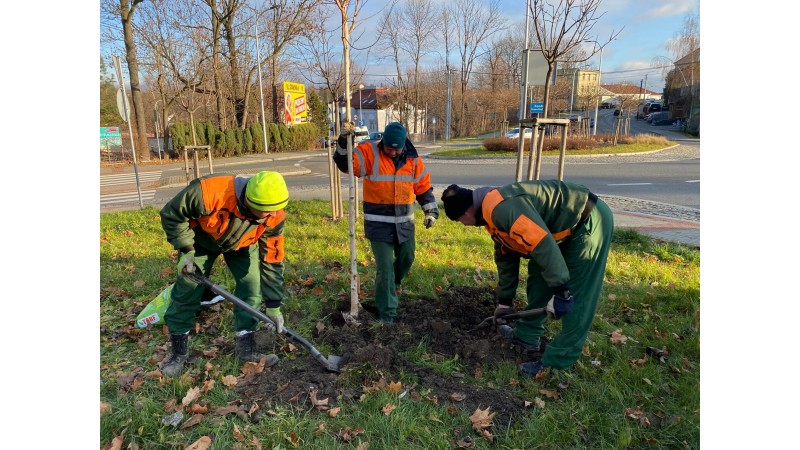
237	141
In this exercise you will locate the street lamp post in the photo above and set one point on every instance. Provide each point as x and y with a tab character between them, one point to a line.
597	100
261	87
360	116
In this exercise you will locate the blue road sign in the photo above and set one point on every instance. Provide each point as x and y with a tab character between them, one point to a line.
537	107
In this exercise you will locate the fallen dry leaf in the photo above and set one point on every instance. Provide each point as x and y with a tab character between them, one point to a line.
207	386
395	387
105	408
318	403
116	443
320	429
127	232
639	415
251	368
538	402
293	439
194	420
318	291
513	381
253	408
617	337
333	412
640	361
433	418
191	395
347	434
320	326
171	405
482	419
612	297
229	380
138	283
549	393
289	348
198	409
255	443
204	443
487	436
363	446
223	410
237	433
388	409
467	442
457	396
434	399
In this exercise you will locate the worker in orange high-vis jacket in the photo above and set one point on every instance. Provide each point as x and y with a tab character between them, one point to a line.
394	177
242	219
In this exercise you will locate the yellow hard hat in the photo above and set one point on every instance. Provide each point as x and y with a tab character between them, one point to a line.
266	191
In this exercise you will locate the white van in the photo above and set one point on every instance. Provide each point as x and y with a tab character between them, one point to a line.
361	134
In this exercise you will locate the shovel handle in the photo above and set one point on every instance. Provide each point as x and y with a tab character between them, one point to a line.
253	311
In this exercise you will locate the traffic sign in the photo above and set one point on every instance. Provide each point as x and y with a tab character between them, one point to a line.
123	106
110	136
537	107
434	120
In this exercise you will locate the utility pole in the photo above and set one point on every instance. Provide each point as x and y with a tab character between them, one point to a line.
449	99
523	95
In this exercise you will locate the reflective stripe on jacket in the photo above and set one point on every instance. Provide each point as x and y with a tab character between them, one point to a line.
389	191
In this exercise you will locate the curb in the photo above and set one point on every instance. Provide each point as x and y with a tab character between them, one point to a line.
601	155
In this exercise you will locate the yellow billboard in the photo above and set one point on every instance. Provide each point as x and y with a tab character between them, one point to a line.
294	103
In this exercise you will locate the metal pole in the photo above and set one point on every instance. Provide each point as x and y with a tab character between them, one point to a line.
597	101
449	99
261	87
521	114
360	115
572	91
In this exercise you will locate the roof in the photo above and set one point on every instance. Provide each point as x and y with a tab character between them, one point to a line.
627	89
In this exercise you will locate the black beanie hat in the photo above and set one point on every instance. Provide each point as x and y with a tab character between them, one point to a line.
456	201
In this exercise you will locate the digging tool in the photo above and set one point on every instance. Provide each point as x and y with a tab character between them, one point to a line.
509	317
331	363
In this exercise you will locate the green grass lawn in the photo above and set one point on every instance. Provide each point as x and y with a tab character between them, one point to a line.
619	395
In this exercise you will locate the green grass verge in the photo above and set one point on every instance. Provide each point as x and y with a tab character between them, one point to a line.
651	296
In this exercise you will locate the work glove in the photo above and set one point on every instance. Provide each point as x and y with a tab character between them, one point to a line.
347	133
559	305
277	317
500	311
430	219
186	262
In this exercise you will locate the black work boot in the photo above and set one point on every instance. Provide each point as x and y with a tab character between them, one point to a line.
246	351
180	353
527	350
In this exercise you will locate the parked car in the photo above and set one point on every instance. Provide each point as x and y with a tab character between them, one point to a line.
361	134
514	133
660	118
375	136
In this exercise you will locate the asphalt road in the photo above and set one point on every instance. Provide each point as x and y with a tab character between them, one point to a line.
670	176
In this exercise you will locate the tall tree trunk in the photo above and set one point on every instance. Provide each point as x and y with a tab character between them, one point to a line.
215	28
126	10
239	103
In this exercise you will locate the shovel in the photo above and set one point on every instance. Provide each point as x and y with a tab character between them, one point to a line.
331	363
509	317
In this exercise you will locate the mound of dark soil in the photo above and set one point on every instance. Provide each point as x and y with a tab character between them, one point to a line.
447	325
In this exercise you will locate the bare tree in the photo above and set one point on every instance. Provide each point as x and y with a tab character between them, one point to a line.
420	15
392	36
475	24
561	28
125	12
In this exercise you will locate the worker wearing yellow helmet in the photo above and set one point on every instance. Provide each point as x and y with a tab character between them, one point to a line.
240	218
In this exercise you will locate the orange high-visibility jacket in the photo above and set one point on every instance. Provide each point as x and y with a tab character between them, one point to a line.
390	190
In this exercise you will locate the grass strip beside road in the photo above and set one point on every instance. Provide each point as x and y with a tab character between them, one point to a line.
480	152
619	394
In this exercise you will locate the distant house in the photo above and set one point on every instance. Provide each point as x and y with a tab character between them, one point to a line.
683	86
375	108
612	92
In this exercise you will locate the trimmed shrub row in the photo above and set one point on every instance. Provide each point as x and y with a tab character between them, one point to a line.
237	141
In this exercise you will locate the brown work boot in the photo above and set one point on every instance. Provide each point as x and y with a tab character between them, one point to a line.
246	351
180	353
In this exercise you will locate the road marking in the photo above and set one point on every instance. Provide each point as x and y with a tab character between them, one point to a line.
630	184
693	181
126	197
128	178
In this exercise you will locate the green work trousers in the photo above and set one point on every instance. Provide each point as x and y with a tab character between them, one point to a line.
393	261
186	294
586	253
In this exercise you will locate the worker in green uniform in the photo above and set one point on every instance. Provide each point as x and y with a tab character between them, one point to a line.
242	219
565	232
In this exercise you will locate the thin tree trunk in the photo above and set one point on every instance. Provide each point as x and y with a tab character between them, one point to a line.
126	10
